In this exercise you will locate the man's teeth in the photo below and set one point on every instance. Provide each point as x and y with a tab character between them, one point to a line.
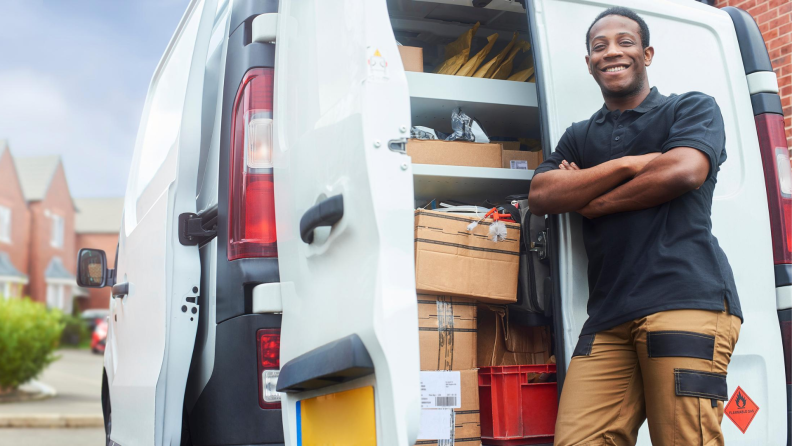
612	69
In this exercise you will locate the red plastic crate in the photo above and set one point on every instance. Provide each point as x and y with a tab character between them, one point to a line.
514	411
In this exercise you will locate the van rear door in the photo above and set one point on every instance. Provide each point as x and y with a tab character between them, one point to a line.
344	213
696	49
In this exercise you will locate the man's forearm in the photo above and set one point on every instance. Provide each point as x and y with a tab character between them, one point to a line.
559	191
667	177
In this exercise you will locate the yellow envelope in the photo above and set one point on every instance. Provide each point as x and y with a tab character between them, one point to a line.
470	66
457	52
489	68
503	71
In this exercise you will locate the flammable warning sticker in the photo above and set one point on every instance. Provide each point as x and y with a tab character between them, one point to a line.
741	409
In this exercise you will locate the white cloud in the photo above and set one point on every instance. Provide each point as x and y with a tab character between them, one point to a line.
74	79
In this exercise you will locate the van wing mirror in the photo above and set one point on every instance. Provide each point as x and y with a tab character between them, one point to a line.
92	269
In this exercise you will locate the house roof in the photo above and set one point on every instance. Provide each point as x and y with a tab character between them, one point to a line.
56	270
7	268
3	145
35	175
98	215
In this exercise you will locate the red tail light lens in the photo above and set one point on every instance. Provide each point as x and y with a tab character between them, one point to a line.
778	180
251	200
268	345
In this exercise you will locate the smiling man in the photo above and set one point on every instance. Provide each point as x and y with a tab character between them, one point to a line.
664	315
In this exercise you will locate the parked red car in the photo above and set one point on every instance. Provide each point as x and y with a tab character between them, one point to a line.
98	337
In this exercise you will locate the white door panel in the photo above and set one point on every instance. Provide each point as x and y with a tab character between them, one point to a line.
337	105
153	327
695	50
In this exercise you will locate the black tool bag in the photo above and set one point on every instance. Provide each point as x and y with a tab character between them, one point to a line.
534	273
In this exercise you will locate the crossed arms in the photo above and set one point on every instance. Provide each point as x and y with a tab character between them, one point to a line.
625	184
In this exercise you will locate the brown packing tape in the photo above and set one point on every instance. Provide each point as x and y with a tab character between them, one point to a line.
457	52
470	66
447	332
450	260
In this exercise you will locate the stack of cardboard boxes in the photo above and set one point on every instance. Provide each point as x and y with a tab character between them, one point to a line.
464	280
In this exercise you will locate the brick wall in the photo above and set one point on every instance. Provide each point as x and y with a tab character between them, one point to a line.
56	202
11	197
775	21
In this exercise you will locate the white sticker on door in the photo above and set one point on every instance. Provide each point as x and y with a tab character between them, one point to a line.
441	390
436	424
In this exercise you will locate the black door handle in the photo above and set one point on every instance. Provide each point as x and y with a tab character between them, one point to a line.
324	213
120	289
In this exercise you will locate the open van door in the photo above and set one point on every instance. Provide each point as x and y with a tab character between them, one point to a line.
696	49
349	341
154	310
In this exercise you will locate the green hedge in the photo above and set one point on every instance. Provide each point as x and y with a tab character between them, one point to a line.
29	335
75	331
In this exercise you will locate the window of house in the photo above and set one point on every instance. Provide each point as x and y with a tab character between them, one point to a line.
56	296
5	224
57	231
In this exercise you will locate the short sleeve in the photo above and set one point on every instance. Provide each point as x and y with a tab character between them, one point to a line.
565	150
698	123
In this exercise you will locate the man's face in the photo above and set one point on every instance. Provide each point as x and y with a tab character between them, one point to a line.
617	60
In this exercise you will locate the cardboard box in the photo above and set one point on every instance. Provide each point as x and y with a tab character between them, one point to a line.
450	260
454	153
412	58
447	332
513	158
465	419
501	343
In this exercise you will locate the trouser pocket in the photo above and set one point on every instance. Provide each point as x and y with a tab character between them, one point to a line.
699	406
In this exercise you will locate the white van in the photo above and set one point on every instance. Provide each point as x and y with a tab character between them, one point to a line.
266	252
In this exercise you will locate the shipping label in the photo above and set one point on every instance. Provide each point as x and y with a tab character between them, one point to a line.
441	390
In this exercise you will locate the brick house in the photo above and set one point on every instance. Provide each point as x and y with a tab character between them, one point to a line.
52	247
97	224
774	18
14	228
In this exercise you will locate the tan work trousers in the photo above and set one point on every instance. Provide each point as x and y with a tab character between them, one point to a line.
668	368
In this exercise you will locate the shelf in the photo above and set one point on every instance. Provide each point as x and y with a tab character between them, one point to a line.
504	108
471	184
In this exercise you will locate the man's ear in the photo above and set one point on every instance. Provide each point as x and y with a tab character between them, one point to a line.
588	64
648	55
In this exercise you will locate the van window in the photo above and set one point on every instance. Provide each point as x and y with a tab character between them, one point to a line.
163	119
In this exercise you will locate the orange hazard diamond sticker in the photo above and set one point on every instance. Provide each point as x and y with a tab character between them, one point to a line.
741	409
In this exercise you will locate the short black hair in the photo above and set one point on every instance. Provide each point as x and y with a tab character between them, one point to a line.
624	12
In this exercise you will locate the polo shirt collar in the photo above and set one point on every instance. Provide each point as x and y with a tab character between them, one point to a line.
651	101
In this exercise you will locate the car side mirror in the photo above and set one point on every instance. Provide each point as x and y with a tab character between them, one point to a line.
92	271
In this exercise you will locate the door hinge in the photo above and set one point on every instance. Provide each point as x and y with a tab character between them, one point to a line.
198	229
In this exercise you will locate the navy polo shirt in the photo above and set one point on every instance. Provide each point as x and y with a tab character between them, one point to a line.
661	258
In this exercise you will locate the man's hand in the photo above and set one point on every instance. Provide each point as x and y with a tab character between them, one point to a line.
571	188
670	175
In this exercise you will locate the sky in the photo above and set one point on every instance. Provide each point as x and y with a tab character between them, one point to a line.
73	79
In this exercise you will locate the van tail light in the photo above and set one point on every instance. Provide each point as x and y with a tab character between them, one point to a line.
778	180
268	355
251	200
